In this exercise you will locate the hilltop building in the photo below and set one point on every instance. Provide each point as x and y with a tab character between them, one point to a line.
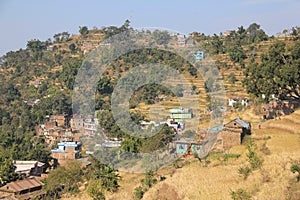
66	151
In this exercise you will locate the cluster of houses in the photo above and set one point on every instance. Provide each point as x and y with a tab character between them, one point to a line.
68	146
65	134
175	120
228	135
59	129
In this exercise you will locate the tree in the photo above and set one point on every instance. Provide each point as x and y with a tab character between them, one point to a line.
161	37
72	47
255	34
36	47
240	194
83	30
104	178
63	179
7	172
237	54
278	73
126	25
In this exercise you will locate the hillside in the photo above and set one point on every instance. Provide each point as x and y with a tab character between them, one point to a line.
38	82
216	180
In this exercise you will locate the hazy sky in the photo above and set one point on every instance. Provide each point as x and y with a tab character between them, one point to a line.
22	20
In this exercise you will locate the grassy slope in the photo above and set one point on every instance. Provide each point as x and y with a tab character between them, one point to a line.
217	180
194	181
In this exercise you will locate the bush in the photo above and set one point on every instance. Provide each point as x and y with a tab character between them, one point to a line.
244	171
240	194
252	156
295	168
139	192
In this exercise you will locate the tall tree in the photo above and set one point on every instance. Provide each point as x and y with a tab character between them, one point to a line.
278	73
7	172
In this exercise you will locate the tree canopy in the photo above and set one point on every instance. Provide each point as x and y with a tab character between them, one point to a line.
278	73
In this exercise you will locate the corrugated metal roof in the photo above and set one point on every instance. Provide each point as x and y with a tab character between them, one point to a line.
242	123
22	185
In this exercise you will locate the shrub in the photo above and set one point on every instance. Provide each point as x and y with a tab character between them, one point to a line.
240	194
252	156
295	168
139	192
244	171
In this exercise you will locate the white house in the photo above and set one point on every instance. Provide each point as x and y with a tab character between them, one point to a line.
232	101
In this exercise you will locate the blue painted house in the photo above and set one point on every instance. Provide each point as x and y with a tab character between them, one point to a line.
185	146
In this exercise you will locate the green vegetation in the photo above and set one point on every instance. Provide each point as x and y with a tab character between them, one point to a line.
278	73
148	181
240	194
252	157
64	179
46	71
7	172
295	168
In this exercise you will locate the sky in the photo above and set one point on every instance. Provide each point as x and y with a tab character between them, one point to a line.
21	20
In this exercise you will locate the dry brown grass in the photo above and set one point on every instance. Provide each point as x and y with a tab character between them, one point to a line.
216	181
194	181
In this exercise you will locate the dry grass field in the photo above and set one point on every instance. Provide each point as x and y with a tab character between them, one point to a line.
278	144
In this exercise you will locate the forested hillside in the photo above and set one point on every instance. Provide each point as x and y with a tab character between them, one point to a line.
37	82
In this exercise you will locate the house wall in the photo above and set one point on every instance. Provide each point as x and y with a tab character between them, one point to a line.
196	148
229	139
181	115
181	148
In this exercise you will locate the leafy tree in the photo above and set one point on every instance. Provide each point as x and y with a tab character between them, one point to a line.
104	177
161	37
72	47
139	192
63	179
7	172
244	171
36	47
237	54
278	73
83	30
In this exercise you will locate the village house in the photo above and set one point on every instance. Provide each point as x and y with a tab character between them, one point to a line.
66	151
60	119
29	168
232	133
88	46
53	134
180	114
233	101
181	40
77	123
23	189
90	125
176	126
187	146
